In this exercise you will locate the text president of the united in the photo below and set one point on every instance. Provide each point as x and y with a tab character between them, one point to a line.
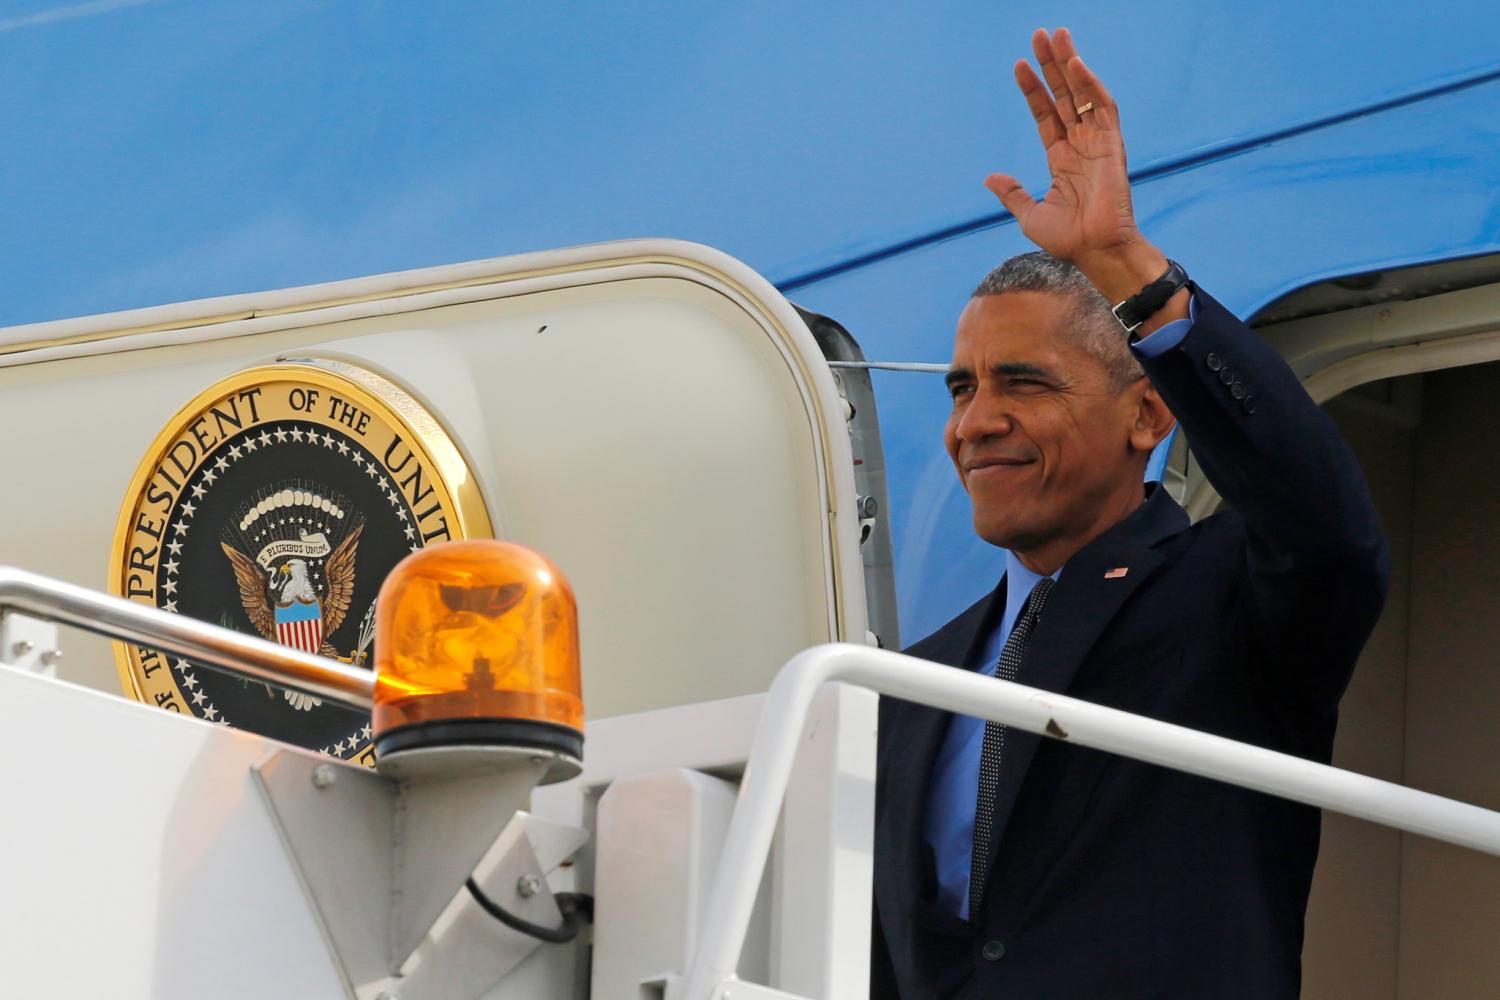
1009	866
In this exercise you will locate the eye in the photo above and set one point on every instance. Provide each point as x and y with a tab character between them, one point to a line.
960	389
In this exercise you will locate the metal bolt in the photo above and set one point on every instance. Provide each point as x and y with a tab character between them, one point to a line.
51	657
867	506
323	775
528	886
21	647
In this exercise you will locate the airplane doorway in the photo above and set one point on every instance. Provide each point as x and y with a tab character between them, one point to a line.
1391	914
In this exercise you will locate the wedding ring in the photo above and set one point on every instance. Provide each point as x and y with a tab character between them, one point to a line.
1083	109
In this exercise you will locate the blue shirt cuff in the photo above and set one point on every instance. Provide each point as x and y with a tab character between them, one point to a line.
1169	336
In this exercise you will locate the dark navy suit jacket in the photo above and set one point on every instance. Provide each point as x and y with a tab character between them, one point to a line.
1118	879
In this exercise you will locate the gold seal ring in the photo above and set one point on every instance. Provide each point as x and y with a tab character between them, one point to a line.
1083	109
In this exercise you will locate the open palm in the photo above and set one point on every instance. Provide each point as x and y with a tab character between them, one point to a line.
1087	209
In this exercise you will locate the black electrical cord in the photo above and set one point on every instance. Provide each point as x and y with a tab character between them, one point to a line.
574	906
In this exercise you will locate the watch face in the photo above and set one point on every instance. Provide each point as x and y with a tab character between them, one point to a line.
275	504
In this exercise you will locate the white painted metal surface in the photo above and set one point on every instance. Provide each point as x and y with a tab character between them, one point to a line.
819	886
754	991
383	858
659	836
467	952
823	870
712	972
140	863
29	643
147	872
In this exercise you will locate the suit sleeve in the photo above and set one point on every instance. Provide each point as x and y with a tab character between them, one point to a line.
882	971
1316	562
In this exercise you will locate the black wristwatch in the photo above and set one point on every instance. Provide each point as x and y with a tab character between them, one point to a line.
1148	301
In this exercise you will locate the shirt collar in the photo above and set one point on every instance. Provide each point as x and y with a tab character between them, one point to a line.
1019	582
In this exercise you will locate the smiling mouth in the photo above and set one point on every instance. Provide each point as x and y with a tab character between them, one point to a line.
995	468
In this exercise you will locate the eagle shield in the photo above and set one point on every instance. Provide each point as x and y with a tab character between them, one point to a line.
300	625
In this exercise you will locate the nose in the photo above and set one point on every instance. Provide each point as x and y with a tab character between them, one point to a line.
986	415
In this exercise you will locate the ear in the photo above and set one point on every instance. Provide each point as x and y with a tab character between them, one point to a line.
1152	421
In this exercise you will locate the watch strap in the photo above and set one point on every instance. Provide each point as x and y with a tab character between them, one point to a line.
1148	301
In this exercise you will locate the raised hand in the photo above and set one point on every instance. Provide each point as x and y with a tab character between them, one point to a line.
1086	215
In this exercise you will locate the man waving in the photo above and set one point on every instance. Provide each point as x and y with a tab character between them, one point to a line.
1008	866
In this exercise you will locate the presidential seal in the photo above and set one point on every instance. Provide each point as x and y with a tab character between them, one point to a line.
275	504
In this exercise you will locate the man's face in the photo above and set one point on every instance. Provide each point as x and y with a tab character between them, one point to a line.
1039	432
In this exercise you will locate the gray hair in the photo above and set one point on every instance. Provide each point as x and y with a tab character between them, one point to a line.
1094	326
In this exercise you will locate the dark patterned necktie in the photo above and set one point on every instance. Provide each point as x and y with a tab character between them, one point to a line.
994	744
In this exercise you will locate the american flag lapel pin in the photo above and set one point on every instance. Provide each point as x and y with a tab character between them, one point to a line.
1117	572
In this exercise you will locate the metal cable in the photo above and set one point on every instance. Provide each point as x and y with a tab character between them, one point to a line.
925	367
572	906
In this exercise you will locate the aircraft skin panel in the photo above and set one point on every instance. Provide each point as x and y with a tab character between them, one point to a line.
161	152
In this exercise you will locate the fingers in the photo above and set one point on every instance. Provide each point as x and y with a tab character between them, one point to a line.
1083	85
1046	58
1090	89
1048	125
1087	86
1011	194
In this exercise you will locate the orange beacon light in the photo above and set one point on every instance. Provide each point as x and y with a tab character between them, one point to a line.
476	644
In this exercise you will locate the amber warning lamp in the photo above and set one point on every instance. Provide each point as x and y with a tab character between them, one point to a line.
477	648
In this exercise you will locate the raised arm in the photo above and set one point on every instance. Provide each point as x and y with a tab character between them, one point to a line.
1316	561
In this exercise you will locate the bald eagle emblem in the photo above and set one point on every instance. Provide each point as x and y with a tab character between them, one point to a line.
279	586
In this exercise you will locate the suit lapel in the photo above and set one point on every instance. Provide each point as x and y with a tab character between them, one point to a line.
1089	593
917	733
